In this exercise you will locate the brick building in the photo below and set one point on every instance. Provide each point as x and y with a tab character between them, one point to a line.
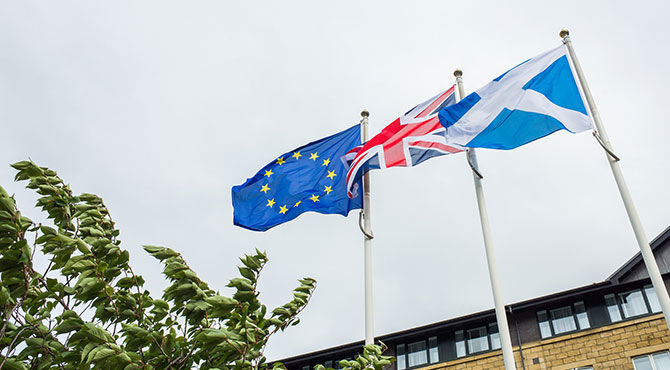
614	324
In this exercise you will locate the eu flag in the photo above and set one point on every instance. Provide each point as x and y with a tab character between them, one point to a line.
309	178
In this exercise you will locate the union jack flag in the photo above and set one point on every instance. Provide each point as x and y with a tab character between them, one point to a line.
406	142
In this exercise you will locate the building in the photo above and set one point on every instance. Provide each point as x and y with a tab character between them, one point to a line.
614	324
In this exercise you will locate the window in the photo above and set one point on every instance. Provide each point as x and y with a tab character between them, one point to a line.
400	357
460	344
582	317
476	340
563	320
612	308
654	361
416	353
432	350
632	303
652	299
583	368
494	335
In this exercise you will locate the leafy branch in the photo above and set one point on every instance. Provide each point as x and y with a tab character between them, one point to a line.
89	308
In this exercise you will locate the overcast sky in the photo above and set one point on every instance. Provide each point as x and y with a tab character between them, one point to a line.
161	107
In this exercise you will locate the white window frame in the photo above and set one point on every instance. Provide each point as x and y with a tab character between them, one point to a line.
650	356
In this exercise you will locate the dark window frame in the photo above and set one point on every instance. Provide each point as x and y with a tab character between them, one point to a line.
573	313
487	326
405	352
619	303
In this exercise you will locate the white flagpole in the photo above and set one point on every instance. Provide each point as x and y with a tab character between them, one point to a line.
367	243
501	316
601	135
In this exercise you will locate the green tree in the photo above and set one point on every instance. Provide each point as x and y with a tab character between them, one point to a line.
371	359
88	308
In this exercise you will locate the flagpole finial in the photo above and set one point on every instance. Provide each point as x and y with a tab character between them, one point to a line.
458	73
365	113
564	33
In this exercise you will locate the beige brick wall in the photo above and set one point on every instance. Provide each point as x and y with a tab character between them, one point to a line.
609	347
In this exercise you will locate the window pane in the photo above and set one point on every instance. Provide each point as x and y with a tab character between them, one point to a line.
542	319
416	353
432	350
612	308
642	363
478	340
662	361
494	335
583	368
583	320
400	357
460	344
652	298
632	303
562	320
582	317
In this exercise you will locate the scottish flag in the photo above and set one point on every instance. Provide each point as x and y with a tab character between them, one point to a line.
309	178
530	101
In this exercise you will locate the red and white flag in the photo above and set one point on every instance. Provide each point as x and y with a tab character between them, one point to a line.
409	140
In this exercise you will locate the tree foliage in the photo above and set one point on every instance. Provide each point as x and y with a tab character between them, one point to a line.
371	359
88	308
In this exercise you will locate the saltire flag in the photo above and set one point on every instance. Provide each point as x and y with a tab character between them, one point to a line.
530	101
309	178
409	140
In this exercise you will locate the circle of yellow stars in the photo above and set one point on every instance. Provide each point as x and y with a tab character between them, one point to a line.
314	198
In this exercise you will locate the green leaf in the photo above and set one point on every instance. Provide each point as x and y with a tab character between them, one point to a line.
160	253
99	353
247	273
240	284
125	282
68	325
13	364
25	250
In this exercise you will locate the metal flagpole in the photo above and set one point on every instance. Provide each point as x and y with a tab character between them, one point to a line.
366	228
601	136
501	316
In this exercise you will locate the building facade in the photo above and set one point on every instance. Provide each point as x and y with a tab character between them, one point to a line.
614	324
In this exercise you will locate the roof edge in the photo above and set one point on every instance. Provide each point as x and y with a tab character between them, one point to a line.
626	267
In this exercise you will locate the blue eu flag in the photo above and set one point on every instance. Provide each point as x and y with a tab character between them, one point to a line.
309	178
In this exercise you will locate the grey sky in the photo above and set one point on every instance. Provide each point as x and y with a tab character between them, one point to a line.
161	107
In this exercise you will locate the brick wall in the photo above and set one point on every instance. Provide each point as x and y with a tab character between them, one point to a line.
608	347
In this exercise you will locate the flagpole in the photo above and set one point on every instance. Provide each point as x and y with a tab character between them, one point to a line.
501	316
601	135
367	242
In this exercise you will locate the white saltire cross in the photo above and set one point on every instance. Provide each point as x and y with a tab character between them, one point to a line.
508	93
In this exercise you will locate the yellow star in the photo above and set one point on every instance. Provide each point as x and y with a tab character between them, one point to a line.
314	198
265	189
331	174
280	161
268	173
327	190
297	203
326	162
296	155
271	202
283	209
313	156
